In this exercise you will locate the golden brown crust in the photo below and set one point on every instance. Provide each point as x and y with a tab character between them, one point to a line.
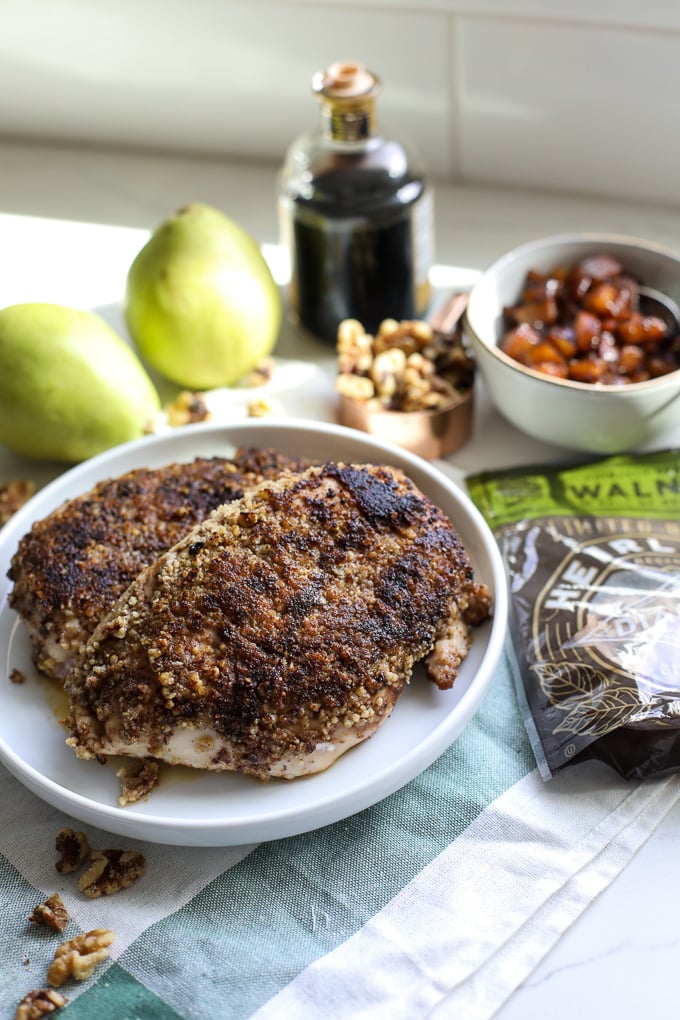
13	495
72	566
285	618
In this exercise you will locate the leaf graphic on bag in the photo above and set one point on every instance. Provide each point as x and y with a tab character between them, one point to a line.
563	681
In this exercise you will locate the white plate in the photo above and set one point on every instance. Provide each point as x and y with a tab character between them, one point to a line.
209	809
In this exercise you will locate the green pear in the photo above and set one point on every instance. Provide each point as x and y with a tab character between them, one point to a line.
70	387
201	303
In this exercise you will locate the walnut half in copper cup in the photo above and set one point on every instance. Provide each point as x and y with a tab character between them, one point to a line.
411	383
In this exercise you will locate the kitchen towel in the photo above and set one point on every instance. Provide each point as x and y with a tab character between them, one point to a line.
435	903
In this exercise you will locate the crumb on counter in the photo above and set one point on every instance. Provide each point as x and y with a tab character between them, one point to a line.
74	848
38	1003
258	407
52	913
78	957
110	871
260	375
188	408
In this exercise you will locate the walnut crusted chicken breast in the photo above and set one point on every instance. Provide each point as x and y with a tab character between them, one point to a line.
73	565
281	631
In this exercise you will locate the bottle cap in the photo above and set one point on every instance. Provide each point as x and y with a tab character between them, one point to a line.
346	79
347	91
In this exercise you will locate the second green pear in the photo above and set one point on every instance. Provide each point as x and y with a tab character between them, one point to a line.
70	387
201	304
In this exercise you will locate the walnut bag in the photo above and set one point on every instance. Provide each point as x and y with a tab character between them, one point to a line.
592	554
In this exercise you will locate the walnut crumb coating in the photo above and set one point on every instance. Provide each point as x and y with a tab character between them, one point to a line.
279	632
13	495
72	565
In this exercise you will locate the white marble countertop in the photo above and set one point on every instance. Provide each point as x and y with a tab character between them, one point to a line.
70	223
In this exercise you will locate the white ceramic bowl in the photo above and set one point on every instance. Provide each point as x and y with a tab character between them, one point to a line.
578	416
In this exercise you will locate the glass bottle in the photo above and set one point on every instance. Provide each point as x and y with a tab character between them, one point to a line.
356	213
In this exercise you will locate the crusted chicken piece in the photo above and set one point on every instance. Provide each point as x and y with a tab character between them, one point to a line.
281	631
72	566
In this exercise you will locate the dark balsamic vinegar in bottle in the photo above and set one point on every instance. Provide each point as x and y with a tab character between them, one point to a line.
356	213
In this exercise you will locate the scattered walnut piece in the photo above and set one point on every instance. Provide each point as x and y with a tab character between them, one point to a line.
188	408
52	913
137	780
17	677
260	408
74	848
38	1003
110	871
406	366
260	375
78	957
12	496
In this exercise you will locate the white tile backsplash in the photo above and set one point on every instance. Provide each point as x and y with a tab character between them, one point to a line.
214	76
532	93
664	14
570	107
